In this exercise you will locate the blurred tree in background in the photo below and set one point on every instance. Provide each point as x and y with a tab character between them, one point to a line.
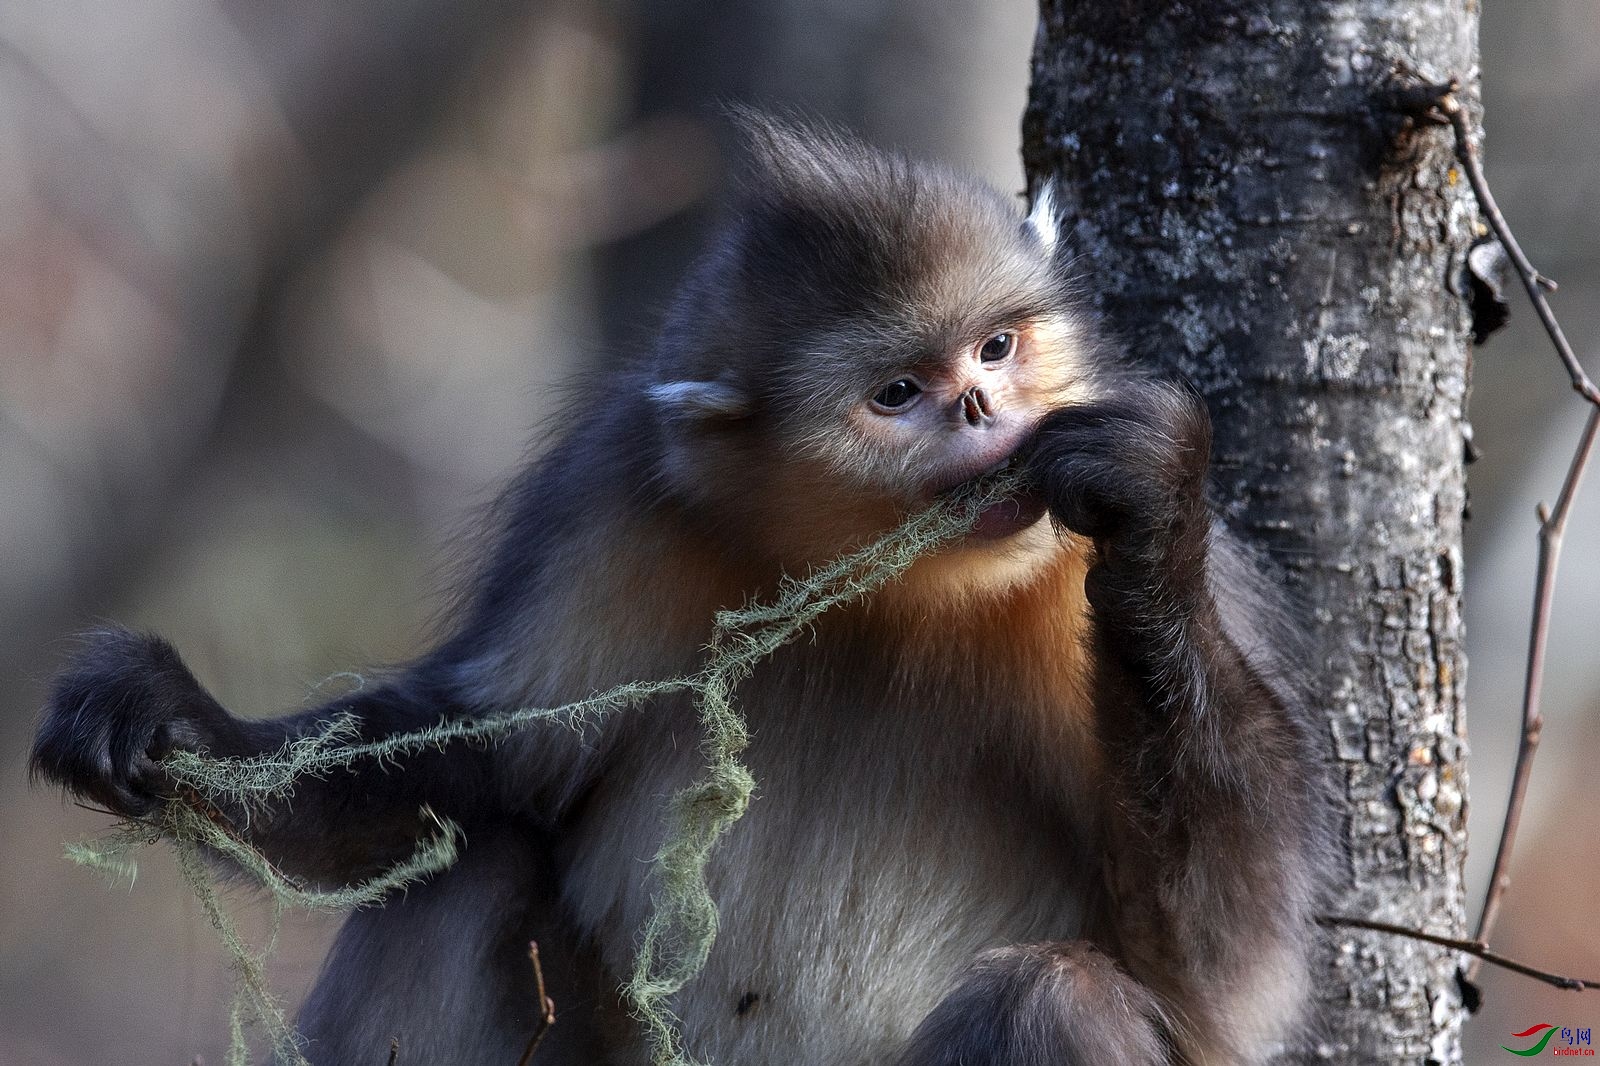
287	287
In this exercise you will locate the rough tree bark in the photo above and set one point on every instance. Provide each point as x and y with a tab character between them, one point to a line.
1256	214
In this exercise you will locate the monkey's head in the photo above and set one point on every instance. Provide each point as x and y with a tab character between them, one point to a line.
866	334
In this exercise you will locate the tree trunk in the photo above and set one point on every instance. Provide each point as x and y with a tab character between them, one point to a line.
1255	213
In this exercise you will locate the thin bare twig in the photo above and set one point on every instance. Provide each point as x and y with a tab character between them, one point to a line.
1535	282
547	1006
1476	948
1552	523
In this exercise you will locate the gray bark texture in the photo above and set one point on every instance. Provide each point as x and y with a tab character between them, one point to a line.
1255	213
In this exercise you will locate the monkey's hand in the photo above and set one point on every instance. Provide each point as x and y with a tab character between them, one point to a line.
1130	473
123	703
1059	1003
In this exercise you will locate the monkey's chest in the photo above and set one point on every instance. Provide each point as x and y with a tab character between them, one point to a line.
887	845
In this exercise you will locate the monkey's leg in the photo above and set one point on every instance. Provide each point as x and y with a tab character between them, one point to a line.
444	968
1043	1005
1214	803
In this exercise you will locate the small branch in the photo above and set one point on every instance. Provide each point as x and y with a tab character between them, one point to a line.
1535	282
547	1006
1476	948
1552	524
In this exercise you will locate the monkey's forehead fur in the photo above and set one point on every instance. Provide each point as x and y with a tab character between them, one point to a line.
841	253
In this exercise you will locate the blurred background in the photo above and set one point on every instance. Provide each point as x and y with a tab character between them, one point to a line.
286	289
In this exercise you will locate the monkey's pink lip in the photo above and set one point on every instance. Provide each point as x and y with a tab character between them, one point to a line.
1009	516
1010	461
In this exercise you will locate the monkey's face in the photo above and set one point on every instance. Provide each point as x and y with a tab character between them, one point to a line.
931	425
868	335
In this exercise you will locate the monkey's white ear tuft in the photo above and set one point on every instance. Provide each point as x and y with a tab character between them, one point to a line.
1044	219
700	401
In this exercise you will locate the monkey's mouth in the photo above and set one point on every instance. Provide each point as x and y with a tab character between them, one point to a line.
1010	516
1017	511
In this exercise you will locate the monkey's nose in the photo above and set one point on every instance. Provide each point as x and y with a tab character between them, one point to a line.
975	406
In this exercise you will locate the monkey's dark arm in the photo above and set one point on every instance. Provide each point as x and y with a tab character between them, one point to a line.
126	700
1212	812
1217	810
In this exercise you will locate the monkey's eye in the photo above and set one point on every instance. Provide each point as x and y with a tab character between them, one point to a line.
997	347
897	394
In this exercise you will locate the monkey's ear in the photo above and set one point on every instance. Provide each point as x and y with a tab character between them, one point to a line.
701	401
1044	218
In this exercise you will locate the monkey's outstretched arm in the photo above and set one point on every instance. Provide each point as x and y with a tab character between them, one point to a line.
126	700
1217	796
